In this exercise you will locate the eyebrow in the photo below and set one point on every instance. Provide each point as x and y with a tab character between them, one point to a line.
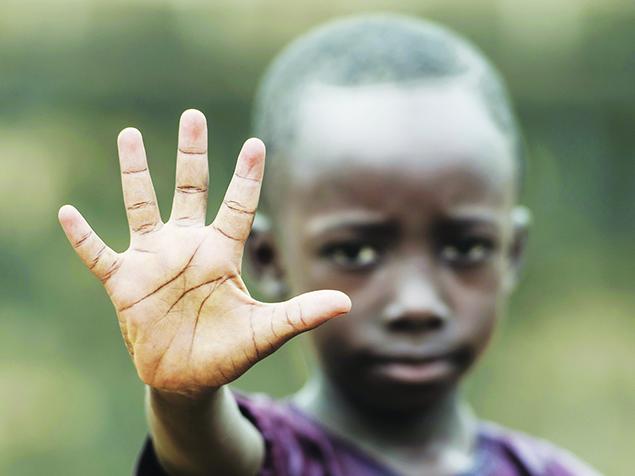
348	218
368	219
476	216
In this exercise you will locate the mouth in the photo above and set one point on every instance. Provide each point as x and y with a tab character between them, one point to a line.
414	370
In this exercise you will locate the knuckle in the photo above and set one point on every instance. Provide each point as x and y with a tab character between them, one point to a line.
185	221
134	171
83	239
248	179
226	233
144	228
97	258
140	205
191	189
110	272
193	150
238	207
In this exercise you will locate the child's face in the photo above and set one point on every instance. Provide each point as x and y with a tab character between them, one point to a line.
402	198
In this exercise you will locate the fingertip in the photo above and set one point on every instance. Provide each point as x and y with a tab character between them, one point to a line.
193	117
66	214
129	137
343	302
334	303
193	114
251	159
254	145
193	132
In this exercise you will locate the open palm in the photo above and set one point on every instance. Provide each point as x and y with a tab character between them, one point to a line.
186	316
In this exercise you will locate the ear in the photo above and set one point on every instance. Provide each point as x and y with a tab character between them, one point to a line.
263	260
521	221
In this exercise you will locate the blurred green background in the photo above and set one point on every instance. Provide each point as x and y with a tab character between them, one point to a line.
73	73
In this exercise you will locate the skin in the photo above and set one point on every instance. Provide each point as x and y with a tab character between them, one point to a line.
410	177
404	199
185	314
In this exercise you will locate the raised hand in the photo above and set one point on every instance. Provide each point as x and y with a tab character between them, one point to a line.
186	316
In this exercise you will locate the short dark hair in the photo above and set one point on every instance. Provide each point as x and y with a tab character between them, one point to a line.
372	49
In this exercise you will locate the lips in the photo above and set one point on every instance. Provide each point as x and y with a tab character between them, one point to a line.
412	368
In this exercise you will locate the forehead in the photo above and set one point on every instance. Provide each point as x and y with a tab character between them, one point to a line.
382	143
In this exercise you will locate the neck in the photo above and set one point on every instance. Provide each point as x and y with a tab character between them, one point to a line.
438	432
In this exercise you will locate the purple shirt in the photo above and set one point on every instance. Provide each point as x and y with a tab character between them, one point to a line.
296	445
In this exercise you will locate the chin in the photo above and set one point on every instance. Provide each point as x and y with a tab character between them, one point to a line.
401	385
396	398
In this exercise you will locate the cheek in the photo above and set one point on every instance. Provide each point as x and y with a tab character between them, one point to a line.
336	344
481	327
483	282
344	335
478	308
475	294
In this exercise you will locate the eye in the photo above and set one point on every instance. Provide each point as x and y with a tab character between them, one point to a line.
468	251
352	255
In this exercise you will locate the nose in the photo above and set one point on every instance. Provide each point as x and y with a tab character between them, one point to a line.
417	303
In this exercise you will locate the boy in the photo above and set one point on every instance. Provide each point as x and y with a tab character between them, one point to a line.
395	170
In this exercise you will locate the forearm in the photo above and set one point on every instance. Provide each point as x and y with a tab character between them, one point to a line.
203	435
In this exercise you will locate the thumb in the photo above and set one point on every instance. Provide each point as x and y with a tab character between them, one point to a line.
309	310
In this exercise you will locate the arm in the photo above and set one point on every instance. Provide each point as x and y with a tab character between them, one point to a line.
186	317
184	430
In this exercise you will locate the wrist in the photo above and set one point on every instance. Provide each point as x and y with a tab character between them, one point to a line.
160	397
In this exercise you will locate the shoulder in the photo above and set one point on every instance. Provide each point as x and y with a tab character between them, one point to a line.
276	419
294	443
536	456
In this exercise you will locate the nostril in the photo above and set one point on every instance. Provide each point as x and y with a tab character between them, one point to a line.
416	324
